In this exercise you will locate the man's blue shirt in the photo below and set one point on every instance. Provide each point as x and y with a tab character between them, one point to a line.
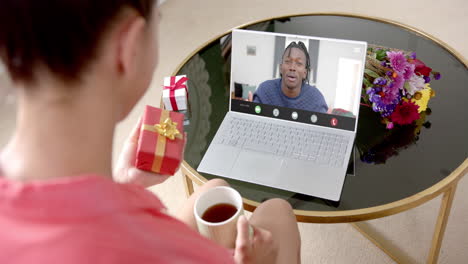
310	99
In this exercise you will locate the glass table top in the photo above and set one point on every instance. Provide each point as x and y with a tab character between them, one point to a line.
384	168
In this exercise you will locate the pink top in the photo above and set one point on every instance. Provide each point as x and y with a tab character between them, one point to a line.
91	219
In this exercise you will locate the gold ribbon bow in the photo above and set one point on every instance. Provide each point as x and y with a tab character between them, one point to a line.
168	130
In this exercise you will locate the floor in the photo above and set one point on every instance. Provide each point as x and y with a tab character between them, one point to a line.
187	24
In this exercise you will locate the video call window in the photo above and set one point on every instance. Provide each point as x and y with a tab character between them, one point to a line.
312	74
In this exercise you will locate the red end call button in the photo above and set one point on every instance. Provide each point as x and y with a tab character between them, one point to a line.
334	122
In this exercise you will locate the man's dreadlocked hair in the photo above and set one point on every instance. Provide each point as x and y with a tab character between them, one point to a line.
299	45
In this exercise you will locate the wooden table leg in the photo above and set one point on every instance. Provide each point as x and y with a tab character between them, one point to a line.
441	224
188	184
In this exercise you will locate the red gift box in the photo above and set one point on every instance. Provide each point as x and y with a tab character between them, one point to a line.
161	141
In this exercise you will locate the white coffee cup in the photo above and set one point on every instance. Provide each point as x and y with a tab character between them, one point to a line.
225	232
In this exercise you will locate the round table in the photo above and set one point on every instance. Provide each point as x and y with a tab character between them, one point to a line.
413	172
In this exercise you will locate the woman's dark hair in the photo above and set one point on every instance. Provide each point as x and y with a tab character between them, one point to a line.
61	35
299	45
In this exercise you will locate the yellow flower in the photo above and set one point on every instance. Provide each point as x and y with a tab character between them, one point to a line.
422	97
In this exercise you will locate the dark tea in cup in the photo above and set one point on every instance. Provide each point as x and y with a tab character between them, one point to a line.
216	212
219	212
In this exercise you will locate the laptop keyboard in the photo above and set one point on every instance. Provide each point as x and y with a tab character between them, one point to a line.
298	143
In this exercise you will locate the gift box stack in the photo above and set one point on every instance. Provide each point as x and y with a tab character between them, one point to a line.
162	139
175	95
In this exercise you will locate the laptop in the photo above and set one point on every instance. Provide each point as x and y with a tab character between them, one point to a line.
293	112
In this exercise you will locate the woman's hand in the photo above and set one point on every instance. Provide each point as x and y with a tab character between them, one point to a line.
125	170
260	248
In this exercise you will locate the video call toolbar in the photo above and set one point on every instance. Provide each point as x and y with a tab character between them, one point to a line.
296	115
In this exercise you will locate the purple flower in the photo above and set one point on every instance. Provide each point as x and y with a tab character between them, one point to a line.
383	100
389	125
413	55
375	107
427	79
416	83
391	107
409	71
398	82
377	98
380	106
390	97
437	75
389	110
389	73
380	81
391	94
386	113
383	63
373	95
397	60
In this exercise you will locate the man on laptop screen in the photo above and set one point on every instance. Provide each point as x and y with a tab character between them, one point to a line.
292	89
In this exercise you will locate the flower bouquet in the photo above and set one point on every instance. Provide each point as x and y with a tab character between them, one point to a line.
396	92
396	85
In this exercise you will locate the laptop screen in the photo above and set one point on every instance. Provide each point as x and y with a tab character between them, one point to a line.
297	78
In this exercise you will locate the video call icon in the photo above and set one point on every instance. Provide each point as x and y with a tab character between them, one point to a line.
313	118
258	109
276	112
294	115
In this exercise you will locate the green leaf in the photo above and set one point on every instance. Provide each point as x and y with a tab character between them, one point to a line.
367	83
381	54
406	86
371	73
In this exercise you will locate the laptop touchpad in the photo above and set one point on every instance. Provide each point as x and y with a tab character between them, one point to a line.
256	167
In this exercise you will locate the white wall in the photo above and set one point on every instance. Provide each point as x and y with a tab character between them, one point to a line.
347	83
330	53
252	70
